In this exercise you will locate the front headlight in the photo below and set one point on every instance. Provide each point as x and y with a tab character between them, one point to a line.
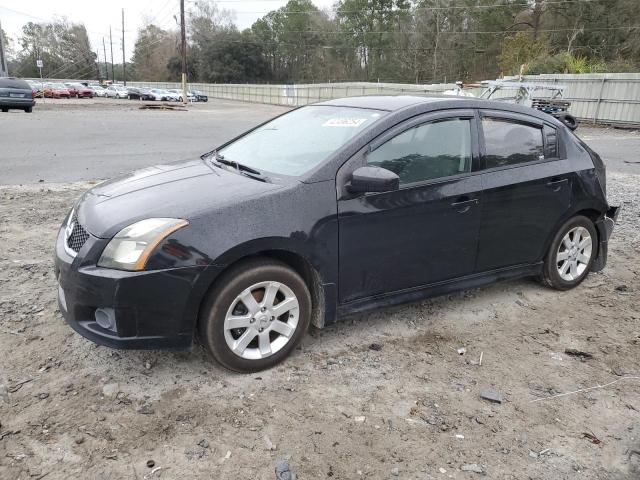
131	247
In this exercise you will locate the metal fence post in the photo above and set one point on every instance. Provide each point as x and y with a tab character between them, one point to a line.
595	115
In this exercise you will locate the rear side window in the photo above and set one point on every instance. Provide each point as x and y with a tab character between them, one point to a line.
509	143
429	151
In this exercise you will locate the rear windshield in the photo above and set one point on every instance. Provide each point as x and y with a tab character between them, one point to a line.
300	140
9	82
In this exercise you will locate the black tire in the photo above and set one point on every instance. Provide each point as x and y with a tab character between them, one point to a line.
550	275
5	110
28	110
221	297
569	120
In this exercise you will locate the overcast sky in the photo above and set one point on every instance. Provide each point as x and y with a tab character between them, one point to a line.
98	15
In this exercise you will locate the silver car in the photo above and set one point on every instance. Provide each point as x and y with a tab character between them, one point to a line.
116	91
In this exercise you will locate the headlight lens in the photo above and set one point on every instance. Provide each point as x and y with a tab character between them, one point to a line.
131	247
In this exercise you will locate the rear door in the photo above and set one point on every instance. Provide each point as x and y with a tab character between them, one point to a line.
527	189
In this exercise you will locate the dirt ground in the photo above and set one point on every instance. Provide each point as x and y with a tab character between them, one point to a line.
382	395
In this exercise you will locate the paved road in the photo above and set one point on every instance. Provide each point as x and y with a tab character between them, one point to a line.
72	140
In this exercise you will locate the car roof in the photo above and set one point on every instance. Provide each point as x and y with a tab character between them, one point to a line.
383	102
13	82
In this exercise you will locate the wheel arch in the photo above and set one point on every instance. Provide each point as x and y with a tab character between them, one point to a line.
291	257
591	213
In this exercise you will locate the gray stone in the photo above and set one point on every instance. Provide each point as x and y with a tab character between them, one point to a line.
110	390
491	395
4	393
472	467
395	471
283	471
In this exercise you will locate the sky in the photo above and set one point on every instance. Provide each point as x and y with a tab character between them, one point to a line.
99	15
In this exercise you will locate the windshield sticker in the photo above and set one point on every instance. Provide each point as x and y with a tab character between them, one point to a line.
344	122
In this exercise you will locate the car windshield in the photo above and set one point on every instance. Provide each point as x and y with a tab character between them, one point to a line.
298	141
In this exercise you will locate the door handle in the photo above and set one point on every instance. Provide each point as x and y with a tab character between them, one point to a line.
556	184
463	204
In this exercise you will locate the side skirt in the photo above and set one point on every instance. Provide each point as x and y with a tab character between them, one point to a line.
436	289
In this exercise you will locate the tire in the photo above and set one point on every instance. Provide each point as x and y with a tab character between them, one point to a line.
563	254
5	110
117	96
28	110
255	324
569	120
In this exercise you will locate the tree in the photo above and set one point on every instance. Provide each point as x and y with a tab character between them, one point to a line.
63	47
520	49
153	50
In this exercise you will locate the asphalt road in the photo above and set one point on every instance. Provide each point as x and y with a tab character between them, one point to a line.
73	140
81	139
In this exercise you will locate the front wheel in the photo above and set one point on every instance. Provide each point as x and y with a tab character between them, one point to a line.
571	254
255	315
28	110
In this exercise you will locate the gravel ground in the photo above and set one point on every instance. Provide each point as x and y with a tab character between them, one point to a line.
382	395
371	397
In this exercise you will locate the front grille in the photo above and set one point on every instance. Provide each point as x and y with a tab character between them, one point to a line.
78	235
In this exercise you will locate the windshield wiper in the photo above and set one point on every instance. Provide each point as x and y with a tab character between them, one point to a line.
240	168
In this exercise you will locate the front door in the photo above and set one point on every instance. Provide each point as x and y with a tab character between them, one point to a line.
425	232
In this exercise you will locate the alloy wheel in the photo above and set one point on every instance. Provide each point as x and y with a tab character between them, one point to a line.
574	254
261	320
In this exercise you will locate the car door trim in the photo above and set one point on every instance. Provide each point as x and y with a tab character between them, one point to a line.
436	289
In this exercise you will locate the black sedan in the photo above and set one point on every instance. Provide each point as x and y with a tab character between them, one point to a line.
16	94
199	96
135	93
328	210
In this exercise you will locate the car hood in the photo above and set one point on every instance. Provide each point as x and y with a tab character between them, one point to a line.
184	189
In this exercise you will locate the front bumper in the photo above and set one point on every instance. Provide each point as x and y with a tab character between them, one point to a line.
605	229
152	309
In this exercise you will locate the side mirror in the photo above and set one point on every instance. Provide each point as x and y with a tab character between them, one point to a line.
373	179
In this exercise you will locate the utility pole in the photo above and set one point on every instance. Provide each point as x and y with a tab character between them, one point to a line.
113	76
4	71
183	37
124	62
106	68
98	64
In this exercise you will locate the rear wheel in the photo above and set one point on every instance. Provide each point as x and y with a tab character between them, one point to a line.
255	315
5	110
571	254
28	110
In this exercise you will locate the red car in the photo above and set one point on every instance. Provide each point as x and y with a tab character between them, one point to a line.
83	91
56	90
73	89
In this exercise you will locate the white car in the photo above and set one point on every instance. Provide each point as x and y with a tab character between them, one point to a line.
178	92
99	90
116	91
165	95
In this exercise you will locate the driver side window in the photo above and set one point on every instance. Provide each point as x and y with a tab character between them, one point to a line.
426	152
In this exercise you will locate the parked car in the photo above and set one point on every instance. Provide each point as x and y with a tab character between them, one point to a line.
98	90
162	95
116	91
56	90
79	90
36	88
16	94
328	210
199	96
73	92
179	95
136	93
